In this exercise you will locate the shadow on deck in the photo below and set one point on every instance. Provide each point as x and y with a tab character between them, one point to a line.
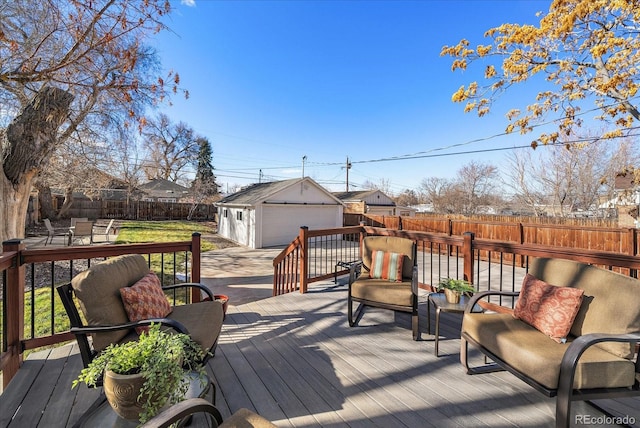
294	360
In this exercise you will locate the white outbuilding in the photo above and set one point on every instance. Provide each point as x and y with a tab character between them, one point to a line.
271	214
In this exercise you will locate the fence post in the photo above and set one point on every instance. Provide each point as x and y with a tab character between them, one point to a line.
14	316
633	248
521	241
195	263
467	255
304	257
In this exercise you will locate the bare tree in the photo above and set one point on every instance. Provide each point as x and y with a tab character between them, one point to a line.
561	179
65	66
171	148
384	185
474	186
407	198
434	191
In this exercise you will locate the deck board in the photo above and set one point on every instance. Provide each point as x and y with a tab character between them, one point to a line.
294	360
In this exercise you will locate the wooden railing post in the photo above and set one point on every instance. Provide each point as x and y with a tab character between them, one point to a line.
304	258
195	263
467	254
14	315
363	233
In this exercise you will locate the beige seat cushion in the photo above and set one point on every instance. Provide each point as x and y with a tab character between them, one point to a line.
610	302
538	356
380	290
202	319
245	418
98	293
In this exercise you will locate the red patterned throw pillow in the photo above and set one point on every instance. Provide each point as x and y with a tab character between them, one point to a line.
386	265
548	308
144	300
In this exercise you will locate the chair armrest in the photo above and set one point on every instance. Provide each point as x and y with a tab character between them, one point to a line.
477	296
202	287
107	328
183	409
353	270
578	347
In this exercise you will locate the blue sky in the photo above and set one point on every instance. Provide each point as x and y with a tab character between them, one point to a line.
273	81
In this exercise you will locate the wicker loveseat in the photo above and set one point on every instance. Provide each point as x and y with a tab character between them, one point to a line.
97	291
599	358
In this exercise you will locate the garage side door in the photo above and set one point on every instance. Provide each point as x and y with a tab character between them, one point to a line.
281	224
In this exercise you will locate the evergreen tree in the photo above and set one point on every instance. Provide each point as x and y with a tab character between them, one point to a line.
205	181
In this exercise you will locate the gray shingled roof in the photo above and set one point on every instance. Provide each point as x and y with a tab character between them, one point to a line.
355	195
162	185
255	193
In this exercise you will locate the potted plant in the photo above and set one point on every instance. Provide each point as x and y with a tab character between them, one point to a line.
453	288
140	377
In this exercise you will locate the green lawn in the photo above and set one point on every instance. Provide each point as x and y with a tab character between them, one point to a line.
134	232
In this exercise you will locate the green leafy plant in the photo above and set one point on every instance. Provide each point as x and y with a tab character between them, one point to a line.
459	285
161	357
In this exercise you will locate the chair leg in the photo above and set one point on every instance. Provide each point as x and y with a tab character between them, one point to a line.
350	311
415	325
464	354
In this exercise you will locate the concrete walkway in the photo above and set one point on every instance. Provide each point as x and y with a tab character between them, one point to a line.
243	274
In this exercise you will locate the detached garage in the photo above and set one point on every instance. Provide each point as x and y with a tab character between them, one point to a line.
270	214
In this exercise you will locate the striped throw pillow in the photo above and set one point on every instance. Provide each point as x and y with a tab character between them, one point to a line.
386	265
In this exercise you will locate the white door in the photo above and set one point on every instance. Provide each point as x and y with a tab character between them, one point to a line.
281	223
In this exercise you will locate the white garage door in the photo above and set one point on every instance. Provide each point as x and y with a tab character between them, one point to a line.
281	224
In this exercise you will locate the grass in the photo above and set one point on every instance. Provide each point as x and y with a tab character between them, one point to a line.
135	232
131	232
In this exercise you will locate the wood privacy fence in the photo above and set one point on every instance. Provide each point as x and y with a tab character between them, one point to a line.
588	234
142	210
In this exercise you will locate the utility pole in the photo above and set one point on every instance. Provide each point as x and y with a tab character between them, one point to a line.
260	176
348	167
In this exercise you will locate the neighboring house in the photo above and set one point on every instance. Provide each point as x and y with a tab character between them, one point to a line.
626	202
161	190
372	202
271	214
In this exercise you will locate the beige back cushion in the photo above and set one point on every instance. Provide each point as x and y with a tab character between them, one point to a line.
97	290
390	244
610	303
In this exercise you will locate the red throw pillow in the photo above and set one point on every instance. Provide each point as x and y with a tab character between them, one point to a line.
144	300
386	265
548	308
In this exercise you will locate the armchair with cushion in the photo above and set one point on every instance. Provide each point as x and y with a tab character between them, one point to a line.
388	278
112	315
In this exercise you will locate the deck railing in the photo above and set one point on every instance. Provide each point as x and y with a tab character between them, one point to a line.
313	256
487	264
29	278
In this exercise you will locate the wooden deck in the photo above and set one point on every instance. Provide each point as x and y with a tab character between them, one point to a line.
295	360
